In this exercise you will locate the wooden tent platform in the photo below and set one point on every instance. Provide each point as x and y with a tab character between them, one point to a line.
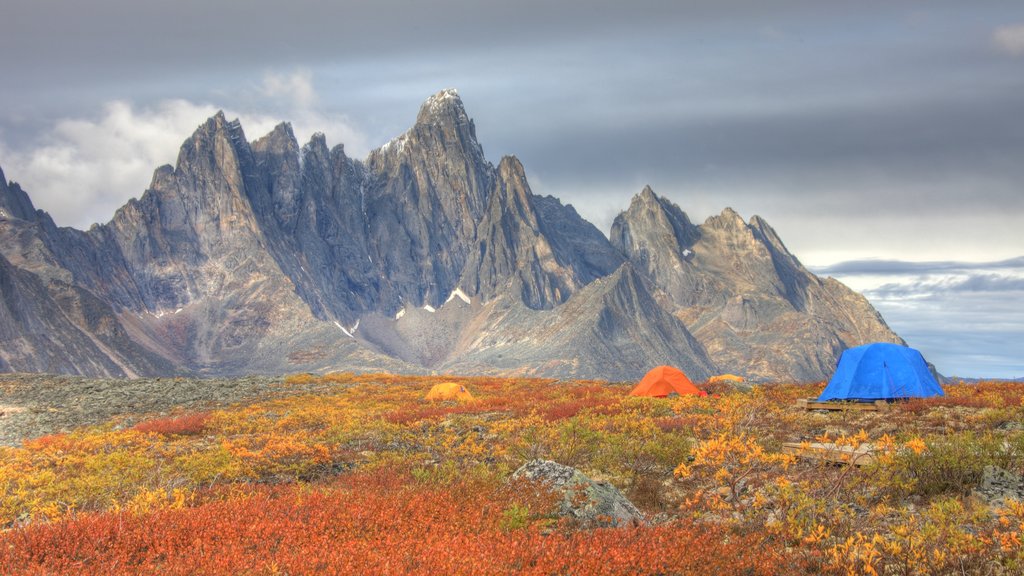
859	456
813	404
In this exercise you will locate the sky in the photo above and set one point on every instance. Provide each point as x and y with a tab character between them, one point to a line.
884	140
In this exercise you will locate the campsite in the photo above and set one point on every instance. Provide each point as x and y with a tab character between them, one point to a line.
384	474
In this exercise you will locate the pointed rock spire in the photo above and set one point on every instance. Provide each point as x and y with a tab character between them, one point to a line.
647	194
14	202
277	157
444	106
655	234
510	246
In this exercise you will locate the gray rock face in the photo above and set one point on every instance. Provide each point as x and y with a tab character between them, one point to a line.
544	254
657	237
52	326
590	503
268	257
613	328
999	486
14	203
576	243
428	190
742	294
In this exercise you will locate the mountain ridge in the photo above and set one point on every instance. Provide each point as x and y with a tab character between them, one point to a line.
271	256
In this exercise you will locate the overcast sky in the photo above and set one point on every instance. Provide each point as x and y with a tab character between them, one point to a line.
889	130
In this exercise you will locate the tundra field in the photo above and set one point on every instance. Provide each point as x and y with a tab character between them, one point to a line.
360	474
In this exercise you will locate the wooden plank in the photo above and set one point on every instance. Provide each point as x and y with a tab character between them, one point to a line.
812	404
859	456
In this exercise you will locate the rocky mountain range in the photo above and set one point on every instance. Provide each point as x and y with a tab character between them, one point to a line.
267	257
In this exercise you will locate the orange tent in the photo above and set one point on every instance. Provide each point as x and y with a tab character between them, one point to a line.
725	378
663	381
449	391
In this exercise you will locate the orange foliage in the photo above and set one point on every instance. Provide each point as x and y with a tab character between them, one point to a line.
187	424
980	395
377	523
356	473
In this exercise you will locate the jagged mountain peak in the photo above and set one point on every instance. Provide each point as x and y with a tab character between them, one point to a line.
217	121
511	170
645	199
14	202
280	140
728	218
216	141
648	200
319	139
281	133
162	177
650	215
543	247
317	146
443	106
265	256
442	127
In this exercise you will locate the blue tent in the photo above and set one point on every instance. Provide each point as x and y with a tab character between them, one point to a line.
881	371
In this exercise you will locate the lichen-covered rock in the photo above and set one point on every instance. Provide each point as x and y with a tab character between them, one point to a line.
588	502
998	486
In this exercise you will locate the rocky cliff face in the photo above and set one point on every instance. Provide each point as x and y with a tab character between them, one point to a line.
429	187
271	257
536	248
743	294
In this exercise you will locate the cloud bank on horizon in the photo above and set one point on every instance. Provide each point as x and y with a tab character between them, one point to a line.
964	316
888	131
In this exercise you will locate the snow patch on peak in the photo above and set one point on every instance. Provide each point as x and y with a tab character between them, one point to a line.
459	294
162	313
446	94
397	143
342	328
435	106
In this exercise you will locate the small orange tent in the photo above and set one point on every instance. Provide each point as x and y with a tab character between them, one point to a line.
449	391
663	381
725	378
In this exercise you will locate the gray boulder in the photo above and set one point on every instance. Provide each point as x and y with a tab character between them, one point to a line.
999	485
588	502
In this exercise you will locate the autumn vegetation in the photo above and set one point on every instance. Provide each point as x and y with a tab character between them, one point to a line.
366	477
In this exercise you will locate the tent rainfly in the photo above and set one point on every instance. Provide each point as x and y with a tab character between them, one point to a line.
664	381
725	378
881	371
449	391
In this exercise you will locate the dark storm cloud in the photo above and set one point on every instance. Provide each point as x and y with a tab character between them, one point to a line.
103	39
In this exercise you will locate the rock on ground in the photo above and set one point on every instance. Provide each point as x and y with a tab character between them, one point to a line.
588	502
998	486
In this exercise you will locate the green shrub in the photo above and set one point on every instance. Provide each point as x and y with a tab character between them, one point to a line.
951	464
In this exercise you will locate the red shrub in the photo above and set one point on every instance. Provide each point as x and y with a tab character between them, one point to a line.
373	524
188	424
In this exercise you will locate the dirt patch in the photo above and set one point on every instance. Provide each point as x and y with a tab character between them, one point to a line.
33	405
6	410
